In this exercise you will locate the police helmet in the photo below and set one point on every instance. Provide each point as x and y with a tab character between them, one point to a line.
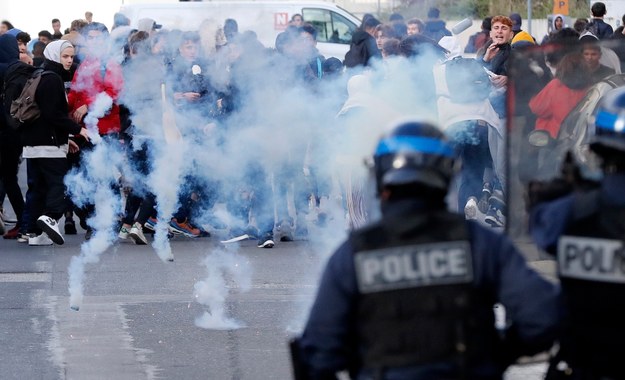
414	152
609	132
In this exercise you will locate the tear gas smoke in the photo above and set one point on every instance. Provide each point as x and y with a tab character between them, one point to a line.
92	183
222	265
100	106
318	132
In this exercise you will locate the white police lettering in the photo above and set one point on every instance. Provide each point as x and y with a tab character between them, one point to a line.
414	266
591	259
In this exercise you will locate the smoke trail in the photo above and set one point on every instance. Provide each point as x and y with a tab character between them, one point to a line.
213	290
93	183
100	106
165	180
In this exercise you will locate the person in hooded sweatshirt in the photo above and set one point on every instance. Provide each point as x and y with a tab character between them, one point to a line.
363	49
10	147
557	24
46	143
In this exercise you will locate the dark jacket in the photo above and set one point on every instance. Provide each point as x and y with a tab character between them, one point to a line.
600	28
500	271
619	45
362	49
9	54
54	125
549	220
183	79
436	29
499	63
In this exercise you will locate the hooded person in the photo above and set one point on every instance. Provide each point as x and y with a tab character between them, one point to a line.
363	48
46	144
557	24
10	147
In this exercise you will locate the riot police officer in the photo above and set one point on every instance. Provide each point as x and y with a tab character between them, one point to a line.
411	296
586	232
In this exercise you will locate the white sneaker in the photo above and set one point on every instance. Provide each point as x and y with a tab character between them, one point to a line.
136	234
51	228
23	238
470	209
40	240
124	233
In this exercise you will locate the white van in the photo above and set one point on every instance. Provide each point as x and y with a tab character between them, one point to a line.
335	25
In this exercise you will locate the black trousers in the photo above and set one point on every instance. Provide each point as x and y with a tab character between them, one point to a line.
46	186
10	151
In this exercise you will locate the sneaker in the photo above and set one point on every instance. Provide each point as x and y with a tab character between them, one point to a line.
23	238
203	231
40	240
136	234
70	227
51	228
183	228
150	224
13	233
495	217
88	234
123	233
470	209
266	241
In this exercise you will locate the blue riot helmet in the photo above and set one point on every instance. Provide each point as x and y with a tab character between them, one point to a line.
608	138
414	153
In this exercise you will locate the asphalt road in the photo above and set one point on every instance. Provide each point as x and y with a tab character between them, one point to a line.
138	316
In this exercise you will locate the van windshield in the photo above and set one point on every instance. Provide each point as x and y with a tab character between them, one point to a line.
331	26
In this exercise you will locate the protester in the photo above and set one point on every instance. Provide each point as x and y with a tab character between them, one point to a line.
435	27
46	144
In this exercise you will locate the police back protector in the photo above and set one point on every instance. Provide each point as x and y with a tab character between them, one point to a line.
418	304
591	265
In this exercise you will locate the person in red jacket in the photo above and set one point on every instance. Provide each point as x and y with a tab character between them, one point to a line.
554	102
97	83
93	97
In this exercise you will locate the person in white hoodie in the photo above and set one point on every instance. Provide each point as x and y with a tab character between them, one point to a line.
557	24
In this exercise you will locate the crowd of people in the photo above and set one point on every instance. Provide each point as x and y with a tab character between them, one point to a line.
209	129
292	125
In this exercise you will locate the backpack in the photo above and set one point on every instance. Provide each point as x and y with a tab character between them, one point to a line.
593	28
357	54
23	108
467	80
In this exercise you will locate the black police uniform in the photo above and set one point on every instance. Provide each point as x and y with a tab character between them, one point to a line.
591	266
412	297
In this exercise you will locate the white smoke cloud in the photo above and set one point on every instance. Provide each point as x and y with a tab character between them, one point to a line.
223	266
92	183
278	120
